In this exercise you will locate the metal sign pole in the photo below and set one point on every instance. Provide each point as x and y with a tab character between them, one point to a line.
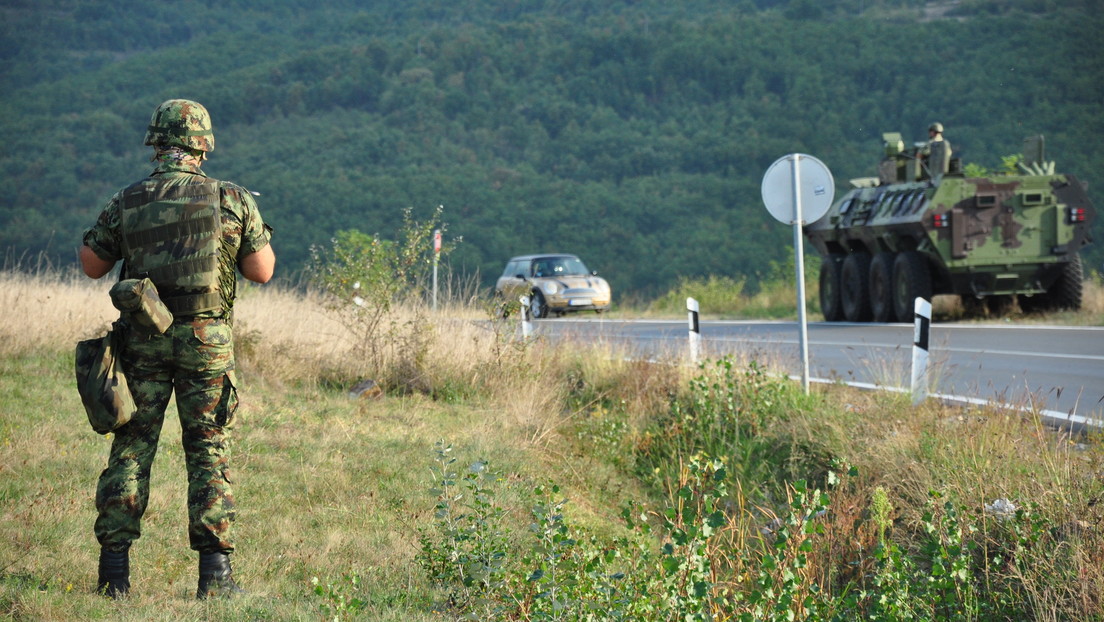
436	258
804	191
799	259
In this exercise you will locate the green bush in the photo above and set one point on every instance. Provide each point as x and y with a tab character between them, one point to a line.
733	413
364	278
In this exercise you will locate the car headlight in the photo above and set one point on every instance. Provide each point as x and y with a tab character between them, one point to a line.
549	287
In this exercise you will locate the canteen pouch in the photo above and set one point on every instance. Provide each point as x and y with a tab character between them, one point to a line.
140	305
100	381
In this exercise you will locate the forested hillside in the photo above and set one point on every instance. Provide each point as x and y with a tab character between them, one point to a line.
634	133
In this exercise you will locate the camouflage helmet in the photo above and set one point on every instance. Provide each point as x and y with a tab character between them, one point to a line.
936	127
181	123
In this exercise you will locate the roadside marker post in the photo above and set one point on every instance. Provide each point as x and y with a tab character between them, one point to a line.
526	324
921	334
695	330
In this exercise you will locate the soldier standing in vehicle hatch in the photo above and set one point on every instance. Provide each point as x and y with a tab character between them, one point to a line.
936	144
189	234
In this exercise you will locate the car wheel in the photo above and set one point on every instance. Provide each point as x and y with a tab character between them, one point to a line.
538	308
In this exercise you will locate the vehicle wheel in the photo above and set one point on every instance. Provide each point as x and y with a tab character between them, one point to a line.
1066	291
830	305
911	280
855	293
538	308
881	288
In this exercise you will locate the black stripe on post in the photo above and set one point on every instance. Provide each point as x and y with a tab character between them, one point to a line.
923	329
692	315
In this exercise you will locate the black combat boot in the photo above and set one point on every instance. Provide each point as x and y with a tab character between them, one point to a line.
114	573
215	576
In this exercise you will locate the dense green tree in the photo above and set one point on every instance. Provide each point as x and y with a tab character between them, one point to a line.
633	132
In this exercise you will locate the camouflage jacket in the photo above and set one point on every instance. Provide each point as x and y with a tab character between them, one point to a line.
243	230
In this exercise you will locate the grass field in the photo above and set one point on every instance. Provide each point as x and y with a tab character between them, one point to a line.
351	507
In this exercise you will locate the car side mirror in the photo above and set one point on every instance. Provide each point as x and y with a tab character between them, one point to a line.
519	276
593	273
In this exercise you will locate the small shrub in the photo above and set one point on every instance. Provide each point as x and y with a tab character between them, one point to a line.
772	295
339	598
735	413
781	587
466	552
715	294
364	277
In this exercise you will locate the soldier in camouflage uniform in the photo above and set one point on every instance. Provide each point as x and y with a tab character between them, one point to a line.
189	234
935	135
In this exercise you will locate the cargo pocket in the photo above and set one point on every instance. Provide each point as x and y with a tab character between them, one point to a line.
228	401
214	344
213	332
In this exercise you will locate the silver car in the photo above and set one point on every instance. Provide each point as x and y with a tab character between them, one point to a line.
556	283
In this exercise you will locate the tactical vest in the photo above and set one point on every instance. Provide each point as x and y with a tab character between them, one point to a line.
172	233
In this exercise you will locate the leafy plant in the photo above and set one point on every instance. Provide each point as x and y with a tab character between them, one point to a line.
556	567
363	277
940	580
715	294
693	519
730	411
466	552
948	587
337	600
782	587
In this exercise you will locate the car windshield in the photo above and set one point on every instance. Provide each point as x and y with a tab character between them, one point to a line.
559	266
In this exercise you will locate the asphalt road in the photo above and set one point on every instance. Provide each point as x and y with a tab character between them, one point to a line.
1055	369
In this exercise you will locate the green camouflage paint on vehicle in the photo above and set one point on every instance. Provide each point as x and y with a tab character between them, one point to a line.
910	233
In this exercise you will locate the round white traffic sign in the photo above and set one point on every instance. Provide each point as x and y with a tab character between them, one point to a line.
798	188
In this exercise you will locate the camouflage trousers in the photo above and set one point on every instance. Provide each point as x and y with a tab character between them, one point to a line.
194	359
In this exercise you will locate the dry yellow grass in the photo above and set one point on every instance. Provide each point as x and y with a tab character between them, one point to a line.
52	310
334	485
287	338
330	485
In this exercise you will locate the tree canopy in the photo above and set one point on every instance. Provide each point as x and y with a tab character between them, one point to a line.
632	133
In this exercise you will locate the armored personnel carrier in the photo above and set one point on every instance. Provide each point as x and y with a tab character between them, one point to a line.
922	227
